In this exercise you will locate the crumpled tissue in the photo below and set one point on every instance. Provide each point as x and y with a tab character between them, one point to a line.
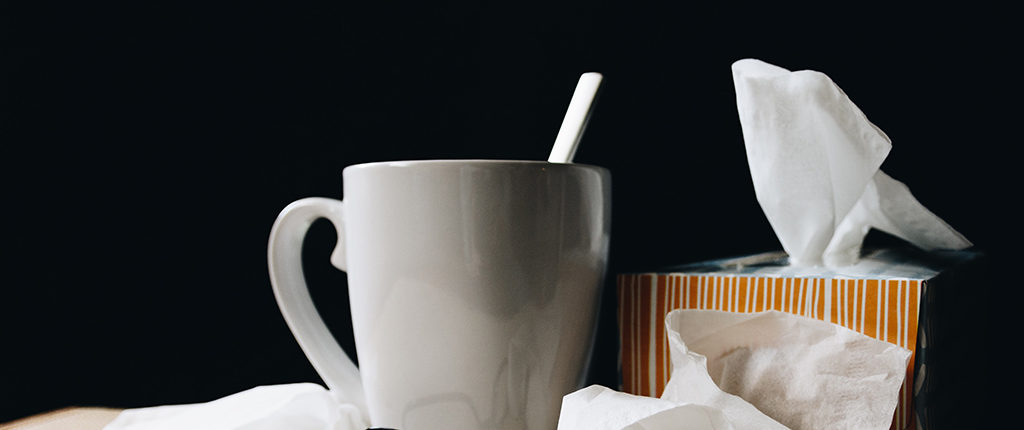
766	370
301	406
814	159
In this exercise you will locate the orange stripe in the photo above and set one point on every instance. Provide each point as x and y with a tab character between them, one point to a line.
635	333
852	308
723	293
638	313
808	292
619	311
720	299
633	371
619	280
763	301
812	306
645	335
807	299
712	292
775	301
757	295
755	292
730	294
674	287
729	299
822	305
729	284
778	294
727	294
626	329
809	296
659	334
737	294
741	294
679	292
703	293
787	295
870	305
715	293
860	294
695	291
744	291
714	298
769	298
891	334
790	294
812	295
798	289
843	297
833	314
850	297
782	289
901	312
718	292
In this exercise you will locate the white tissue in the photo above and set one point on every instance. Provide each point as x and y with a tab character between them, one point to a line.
302	406
782	370
814	159
597	407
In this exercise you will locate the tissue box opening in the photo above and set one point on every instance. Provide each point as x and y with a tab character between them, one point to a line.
889	295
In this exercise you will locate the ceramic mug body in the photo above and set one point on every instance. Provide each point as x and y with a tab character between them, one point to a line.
474	287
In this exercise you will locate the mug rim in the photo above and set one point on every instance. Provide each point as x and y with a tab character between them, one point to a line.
468	161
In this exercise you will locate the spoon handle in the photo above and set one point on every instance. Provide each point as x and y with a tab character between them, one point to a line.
576	118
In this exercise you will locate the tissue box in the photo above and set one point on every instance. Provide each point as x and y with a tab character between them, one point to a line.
904	296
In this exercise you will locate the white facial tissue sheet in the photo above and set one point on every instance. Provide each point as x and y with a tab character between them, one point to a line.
301	406
766	370
814	159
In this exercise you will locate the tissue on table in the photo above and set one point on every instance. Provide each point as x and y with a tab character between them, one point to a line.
786	371
917	300
597	407
302	406
814	159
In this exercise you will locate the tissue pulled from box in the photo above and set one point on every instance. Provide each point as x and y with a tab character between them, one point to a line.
300	406
814	159
766	370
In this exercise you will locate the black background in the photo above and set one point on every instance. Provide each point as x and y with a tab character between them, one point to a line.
148	147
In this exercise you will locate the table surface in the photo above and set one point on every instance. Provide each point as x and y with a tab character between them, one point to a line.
76	418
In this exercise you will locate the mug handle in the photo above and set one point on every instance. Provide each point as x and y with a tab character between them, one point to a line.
284	259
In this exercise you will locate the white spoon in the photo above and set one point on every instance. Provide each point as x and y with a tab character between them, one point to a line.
576	118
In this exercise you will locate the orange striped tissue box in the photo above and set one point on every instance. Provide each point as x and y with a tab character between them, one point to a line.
887	295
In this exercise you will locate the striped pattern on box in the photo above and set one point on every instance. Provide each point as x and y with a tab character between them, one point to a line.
883	309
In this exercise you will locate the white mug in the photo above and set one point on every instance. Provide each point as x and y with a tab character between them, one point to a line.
474	288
